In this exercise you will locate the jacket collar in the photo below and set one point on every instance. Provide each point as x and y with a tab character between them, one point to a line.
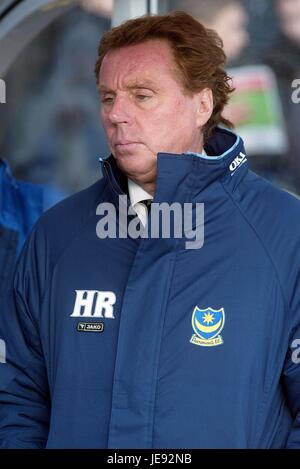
181	177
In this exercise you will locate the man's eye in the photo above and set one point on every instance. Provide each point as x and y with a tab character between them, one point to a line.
107	100
142	97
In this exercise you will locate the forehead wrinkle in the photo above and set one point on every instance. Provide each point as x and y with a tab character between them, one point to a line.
137	59
140	83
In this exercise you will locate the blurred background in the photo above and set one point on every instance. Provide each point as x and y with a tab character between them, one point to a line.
50	131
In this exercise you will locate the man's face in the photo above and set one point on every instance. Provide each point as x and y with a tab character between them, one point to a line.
231	25
289	17
144	108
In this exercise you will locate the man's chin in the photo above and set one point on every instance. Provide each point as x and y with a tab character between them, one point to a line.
133	163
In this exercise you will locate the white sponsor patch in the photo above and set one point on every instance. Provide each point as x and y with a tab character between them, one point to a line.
94	304
237	162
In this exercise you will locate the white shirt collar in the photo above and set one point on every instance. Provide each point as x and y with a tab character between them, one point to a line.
137	193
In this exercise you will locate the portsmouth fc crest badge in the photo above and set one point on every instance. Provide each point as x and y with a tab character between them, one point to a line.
207	325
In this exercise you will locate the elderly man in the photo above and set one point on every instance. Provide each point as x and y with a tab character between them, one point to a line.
121	341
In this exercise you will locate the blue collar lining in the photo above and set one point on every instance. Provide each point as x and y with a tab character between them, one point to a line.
218	157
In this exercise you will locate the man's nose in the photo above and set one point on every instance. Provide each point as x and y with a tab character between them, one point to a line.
120	111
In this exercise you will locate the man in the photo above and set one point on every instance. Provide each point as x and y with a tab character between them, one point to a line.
122	342
283	58
21	205
227	17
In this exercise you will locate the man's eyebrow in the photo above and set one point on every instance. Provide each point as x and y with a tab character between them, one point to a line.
104	89
138	84
141	84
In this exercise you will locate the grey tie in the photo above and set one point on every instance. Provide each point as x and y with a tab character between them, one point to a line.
147	202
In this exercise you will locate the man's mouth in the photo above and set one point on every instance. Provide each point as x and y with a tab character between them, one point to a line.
125	143
126	146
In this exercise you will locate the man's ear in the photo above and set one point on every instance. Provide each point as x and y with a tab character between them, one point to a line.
205	106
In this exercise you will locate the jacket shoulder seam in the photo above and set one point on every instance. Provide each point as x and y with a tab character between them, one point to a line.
238	206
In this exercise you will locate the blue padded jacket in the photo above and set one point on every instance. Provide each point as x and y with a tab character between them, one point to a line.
142	343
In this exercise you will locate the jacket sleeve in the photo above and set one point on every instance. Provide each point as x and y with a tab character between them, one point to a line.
24	393
291	371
